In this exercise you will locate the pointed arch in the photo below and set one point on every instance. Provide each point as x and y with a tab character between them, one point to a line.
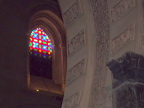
52	25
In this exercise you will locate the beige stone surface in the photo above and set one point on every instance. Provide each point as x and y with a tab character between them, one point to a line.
127	18
87	84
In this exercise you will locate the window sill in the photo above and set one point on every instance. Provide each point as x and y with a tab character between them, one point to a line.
39	83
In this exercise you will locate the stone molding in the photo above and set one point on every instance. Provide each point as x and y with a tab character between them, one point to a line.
76	71
142	28
123	39
53	26
102	28
72	13
76	42
121	8
73	100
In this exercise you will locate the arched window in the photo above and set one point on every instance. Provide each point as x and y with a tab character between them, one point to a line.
40	49
47	53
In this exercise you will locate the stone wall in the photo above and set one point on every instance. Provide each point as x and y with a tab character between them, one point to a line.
79	26
97	32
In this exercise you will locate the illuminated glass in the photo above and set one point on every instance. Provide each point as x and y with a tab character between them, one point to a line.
40	44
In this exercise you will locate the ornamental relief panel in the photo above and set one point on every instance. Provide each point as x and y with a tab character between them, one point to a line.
122	7
122	39
76	71
72	101
72	13
76	42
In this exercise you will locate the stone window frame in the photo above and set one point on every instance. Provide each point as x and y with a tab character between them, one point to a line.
54	27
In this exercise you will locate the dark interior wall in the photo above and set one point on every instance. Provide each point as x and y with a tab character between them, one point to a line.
24	9
14	17
13	44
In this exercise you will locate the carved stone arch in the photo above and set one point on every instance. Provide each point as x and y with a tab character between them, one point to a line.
50	21
52	25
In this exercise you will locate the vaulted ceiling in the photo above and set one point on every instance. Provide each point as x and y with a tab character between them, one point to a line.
19	12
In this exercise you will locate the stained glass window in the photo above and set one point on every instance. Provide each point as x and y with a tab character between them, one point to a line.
40	48
40	44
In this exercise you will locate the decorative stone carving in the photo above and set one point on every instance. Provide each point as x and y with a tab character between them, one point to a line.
122	39
122	7
101	21
73	100
76	71
76	42
72	13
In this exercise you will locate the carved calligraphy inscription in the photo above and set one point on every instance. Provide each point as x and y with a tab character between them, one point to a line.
76	42
119	9
72	13
73	100
76	71
122	39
